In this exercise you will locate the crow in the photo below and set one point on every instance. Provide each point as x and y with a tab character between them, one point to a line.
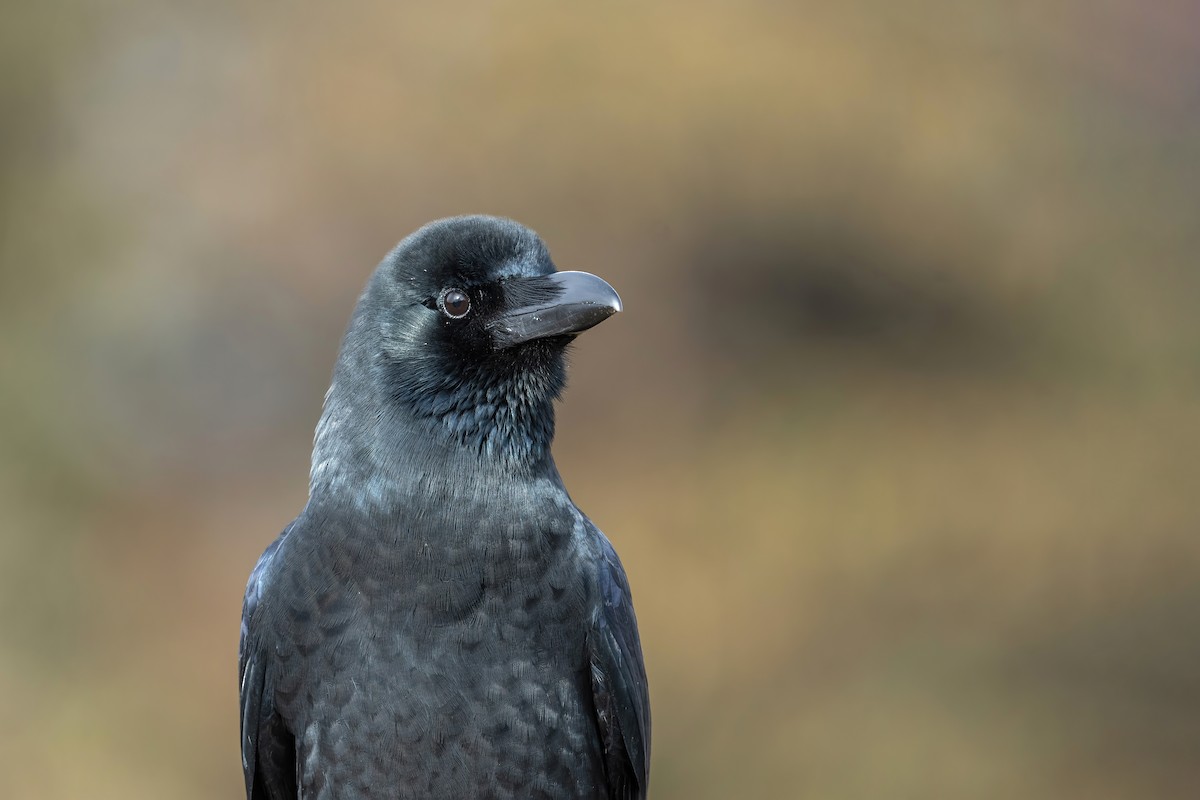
441	621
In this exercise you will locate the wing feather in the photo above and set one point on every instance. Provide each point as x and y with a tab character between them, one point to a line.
619	686
268	748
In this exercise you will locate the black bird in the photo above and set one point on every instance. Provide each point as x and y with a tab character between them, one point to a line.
441	621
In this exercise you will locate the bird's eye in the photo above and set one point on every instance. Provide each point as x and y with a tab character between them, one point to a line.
455	303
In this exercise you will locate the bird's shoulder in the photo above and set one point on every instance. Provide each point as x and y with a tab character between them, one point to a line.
257	587
606	573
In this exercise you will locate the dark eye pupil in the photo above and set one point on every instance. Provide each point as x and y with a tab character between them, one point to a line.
456	303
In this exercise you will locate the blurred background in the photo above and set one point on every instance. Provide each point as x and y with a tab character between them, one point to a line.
898	436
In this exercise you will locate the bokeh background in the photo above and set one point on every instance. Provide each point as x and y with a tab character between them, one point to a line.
898	435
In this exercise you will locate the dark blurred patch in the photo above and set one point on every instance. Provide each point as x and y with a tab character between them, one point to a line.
770	287
1135	657
205	374
1120	687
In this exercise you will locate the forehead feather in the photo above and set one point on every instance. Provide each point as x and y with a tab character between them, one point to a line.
468	251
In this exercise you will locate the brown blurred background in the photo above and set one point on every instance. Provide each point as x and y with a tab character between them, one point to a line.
898	434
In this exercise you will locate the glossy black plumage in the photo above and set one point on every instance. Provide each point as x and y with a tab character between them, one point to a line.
441	621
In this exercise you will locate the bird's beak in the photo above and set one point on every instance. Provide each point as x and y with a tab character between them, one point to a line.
579	300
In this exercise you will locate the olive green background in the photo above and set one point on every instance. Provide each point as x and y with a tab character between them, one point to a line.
897	436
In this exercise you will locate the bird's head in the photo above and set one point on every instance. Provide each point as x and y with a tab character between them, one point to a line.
458	343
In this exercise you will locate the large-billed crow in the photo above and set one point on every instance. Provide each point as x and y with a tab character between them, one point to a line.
441	621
